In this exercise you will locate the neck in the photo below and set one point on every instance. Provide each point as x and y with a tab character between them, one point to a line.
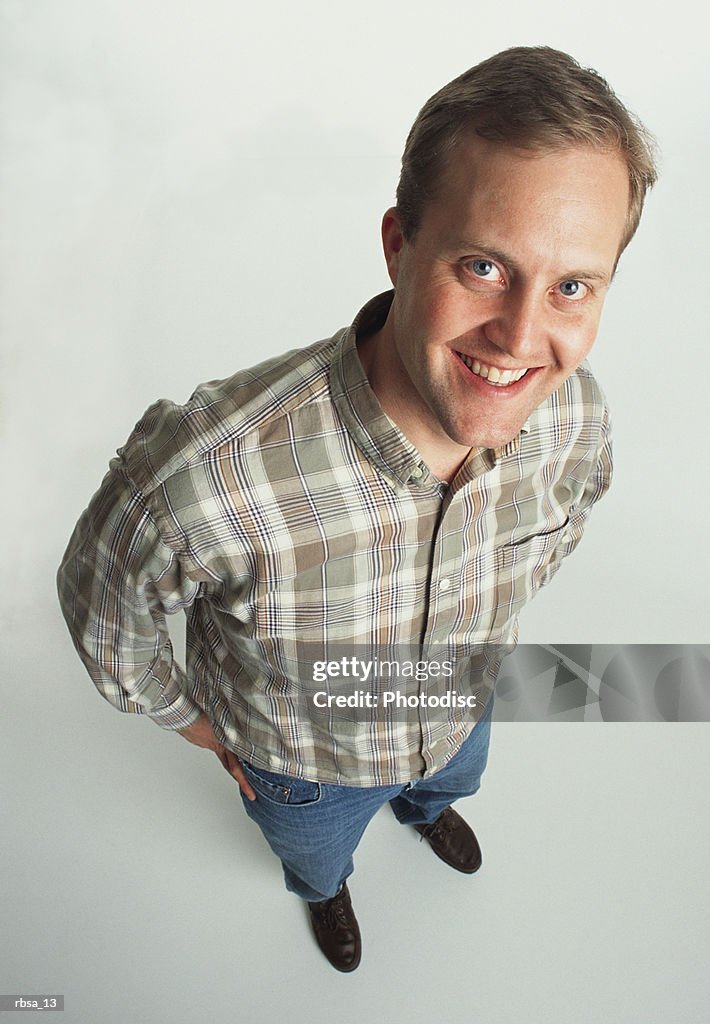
386	377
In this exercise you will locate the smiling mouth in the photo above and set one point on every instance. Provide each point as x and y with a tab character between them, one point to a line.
493	374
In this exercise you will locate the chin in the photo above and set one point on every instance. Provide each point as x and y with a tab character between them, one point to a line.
486	438
492	442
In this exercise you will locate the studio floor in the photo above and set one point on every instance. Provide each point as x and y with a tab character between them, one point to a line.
135	886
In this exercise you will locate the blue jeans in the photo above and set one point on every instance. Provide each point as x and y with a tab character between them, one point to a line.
315	827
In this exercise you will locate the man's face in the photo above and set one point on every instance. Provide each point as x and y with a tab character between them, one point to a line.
504	279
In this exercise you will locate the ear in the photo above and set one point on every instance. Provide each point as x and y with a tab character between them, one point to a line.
392	242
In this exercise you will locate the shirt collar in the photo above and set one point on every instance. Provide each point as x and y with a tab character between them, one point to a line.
377	436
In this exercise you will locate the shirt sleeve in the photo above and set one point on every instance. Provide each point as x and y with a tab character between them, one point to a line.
117	581
594	488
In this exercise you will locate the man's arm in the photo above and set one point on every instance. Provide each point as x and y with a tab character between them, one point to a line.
117	581
595	486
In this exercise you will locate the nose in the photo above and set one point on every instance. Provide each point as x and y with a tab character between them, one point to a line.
517	325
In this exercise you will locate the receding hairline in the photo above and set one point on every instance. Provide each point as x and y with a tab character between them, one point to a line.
525	149
534	99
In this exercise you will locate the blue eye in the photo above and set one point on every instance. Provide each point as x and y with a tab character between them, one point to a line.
572	289
482	268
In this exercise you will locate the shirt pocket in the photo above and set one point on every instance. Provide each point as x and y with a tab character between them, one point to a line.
281	789
521	568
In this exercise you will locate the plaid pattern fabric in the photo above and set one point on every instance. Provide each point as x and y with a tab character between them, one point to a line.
282	507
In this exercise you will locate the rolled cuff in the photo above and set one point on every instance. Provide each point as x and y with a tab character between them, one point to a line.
179	714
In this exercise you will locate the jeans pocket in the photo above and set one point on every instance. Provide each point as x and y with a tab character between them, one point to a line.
282	789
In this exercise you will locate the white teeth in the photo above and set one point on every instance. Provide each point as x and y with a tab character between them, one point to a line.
491	373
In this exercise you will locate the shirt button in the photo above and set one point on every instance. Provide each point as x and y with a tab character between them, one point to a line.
444	584
417	472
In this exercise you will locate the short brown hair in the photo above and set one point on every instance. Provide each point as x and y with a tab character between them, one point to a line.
533	97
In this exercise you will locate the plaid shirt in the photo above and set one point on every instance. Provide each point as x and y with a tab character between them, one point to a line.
281	508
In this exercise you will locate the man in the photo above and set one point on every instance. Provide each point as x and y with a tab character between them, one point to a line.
408	484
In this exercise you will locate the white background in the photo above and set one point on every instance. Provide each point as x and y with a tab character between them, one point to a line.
191	188
188	188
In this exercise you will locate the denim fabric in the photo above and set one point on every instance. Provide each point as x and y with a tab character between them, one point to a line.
314	828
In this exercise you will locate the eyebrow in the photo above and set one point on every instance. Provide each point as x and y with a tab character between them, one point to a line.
470	245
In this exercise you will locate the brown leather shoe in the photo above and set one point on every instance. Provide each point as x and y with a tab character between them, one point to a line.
453	840
336	930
